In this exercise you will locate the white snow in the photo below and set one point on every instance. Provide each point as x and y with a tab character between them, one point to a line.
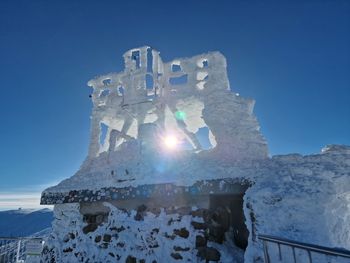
305	198
179	110
150	239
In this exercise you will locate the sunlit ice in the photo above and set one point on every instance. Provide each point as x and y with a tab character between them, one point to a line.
170	141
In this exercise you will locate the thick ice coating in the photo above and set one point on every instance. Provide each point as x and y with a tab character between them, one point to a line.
166	140
180	97
137	112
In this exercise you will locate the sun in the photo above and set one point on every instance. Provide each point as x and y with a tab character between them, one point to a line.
170	141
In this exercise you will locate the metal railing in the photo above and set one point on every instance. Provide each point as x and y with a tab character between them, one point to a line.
309	248
13	249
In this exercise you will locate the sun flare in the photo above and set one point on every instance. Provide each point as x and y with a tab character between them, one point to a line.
170	141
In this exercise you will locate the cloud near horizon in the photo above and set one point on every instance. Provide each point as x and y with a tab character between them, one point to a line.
31	200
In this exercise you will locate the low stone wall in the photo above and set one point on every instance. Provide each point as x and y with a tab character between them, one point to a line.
185	234
297	197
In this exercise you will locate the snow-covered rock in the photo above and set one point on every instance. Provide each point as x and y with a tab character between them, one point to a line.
159	235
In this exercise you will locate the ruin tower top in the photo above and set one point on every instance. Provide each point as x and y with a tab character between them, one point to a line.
154	115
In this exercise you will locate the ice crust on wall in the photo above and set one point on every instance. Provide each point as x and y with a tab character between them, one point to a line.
293	196
126	104
303	198
298	197
126	100
160	236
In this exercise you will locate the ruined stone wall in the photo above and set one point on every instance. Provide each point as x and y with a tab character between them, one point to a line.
151	91
302	198
293	196
147	234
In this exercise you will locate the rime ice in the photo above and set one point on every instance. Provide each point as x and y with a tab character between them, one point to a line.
170	144
151	91
134	110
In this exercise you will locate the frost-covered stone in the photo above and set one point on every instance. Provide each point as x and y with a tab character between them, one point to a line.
150	91
159	237
133	199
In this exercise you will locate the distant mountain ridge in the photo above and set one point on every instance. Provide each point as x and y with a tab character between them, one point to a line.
24	222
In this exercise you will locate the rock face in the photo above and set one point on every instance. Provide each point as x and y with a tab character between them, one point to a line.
144	192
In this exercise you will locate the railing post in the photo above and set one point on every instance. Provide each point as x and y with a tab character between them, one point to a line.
279	251
266	252
309	255
18	250
8	256
294	257
309	248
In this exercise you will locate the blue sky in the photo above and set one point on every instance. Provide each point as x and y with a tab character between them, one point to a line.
293	57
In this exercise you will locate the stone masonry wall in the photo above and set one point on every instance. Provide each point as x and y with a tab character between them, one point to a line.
185	234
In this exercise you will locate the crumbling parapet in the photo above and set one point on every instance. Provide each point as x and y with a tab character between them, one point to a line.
150	91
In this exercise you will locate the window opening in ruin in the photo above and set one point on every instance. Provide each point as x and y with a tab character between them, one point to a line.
149	60
103	133
149	82
205	63
107	82
175	67
203	137
178	80
104	93
95	219
228	212
202	63
135	55
120	91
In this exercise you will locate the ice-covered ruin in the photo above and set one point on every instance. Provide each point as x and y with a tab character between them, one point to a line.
177	170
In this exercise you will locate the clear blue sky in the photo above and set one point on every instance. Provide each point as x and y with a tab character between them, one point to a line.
293	57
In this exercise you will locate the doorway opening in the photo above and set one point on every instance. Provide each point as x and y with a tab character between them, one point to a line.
228	211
